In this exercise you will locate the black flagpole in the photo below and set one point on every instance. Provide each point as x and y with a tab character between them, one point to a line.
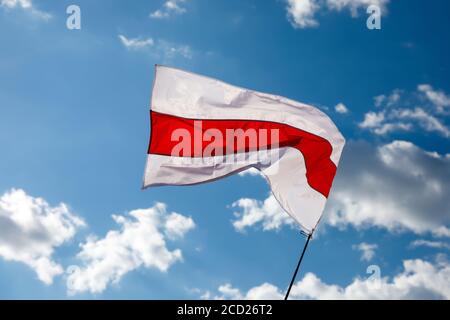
298	266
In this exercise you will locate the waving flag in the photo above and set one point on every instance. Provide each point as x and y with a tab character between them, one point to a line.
203	129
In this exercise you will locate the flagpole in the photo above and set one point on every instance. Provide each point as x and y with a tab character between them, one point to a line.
298	266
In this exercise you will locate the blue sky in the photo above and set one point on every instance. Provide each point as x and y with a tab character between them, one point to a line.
74	129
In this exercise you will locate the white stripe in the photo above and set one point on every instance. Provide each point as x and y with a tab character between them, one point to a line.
189	95
169	170
286	175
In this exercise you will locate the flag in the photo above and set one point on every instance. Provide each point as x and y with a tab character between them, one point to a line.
203	129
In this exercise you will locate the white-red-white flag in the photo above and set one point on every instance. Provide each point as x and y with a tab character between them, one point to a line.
203	129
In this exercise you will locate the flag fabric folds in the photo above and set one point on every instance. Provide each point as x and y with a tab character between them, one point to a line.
203	129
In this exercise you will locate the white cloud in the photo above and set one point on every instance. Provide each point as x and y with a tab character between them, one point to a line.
266	291
31	229
136	43
389	100
250	172
394	97
430	244
301	13
367	250
170	50
140	241
161	49
25	5
425	120
341	108
168	9
372	120
396	186
403	120
378	100
376	122
418	280
252	212
395	114
440	100
177	225
355	5
387	128
228	292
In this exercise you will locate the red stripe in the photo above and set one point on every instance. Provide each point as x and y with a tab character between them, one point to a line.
320	170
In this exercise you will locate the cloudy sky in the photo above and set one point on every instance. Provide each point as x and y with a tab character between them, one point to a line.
74	131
